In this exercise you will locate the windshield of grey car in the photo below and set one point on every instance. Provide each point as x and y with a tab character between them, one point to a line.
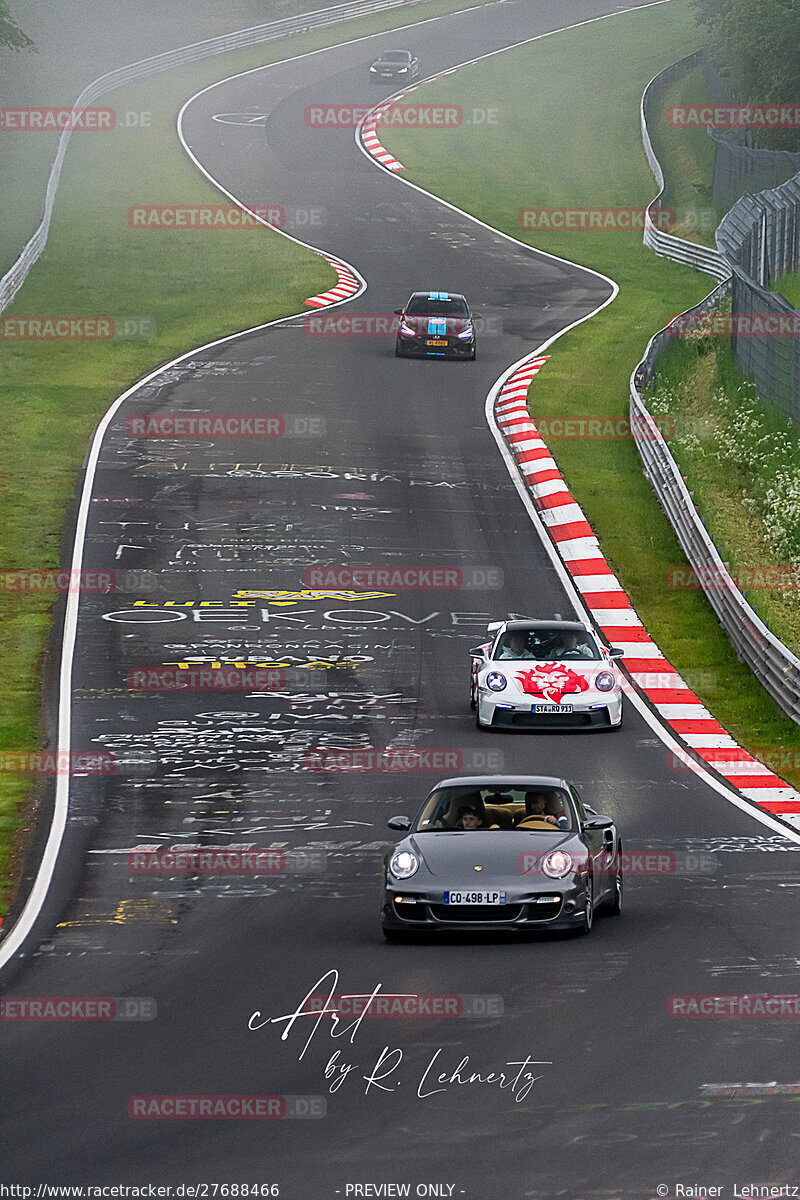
545	808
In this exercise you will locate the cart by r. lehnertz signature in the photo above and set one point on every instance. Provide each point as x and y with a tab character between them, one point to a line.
386	1072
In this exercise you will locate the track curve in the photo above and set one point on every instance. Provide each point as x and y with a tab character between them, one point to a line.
407	472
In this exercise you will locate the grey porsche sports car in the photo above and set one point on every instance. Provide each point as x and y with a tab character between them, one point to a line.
512	853
394	66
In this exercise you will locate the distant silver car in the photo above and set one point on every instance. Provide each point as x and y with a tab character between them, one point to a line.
545	675
394	65
506	852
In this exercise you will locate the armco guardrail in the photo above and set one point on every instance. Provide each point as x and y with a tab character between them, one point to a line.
14	278
771	662
665	244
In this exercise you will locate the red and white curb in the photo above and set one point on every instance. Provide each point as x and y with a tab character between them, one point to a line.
604	597
373	144
347	286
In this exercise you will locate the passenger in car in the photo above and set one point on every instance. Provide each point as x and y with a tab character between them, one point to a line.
515	646
571	645
469	819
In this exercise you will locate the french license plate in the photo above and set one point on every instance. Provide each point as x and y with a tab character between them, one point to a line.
436	342
474	897
552	708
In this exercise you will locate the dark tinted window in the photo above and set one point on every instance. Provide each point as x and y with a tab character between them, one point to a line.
420	306
544	643
442	809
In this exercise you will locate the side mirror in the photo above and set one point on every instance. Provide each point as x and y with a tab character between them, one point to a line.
477	316
398	312
401	824
596	822
478	652
616	652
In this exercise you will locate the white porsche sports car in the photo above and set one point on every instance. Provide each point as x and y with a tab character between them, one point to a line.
545	675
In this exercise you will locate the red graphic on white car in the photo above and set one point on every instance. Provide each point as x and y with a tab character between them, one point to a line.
551	681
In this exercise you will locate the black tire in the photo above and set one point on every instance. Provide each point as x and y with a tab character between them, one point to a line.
588	916
614	906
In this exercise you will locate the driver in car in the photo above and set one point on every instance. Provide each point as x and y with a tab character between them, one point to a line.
535	806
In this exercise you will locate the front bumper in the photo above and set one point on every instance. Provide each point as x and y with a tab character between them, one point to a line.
596	711
417	347
547	908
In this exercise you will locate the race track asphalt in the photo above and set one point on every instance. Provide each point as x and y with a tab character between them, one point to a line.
406	473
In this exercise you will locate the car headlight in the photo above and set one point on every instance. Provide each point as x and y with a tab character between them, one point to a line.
466	333
557	864
604	681
403	864
495	681
407	330
402	70
373	68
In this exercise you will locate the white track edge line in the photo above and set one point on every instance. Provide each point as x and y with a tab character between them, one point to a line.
23	925
10	942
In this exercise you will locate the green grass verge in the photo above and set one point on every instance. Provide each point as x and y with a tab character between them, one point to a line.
739	456
687	159
191	286
557	145
789	287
